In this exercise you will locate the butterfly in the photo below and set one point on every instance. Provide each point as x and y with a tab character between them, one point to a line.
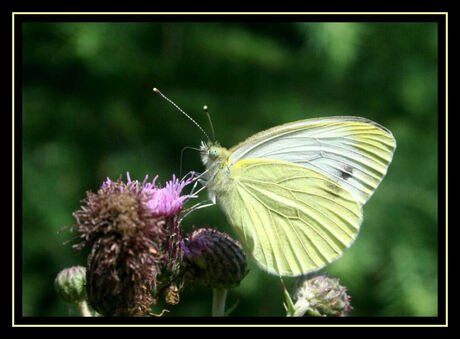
294	193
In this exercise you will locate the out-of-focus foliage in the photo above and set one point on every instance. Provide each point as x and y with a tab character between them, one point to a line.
89	113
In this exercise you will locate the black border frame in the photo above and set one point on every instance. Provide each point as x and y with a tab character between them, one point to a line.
440	17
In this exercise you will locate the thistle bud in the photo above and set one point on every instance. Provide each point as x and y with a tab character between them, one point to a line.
213	259
320	296
70	284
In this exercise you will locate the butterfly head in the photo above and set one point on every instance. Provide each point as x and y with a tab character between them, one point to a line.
211	152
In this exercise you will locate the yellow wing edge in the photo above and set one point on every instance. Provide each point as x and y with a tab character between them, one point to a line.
313	122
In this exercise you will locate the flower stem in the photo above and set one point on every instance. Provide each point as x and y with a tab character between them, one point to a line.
218	302
83	309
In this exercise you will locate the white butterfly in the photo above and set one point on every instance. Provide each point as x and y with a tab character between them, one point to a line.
294	193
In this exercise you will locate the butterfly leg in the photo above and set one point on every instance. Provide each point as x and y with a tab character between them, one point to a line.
200	205
197	178
191	174
192	191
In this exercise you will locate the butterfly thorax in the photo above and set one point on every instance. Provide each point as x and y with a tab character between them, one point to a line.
216	160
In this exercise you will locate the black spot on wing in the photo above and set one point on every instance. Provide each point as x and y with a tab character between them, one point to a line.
346	172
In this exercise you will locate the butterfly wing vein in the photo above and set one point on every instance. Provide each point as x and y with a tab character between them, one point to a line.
291	219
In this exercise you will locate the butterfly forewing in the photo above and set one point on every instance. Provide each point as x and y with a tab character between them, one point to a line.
351	151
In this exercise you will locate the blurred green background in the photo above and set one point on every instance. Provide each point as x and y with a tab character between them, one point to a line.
89	113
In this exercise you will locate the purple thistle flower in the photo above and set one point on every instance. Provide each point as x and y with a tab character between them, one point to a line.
168	200
135	239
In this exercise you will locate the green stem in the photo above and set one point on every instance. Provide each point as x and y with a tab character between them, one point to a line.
83	309
218	302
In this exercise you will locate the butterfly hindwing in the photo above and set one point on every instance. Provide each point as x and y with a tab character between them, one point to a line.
290	218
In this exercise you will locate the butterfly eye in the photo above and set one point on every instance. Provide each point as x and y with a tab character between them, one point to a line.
214	152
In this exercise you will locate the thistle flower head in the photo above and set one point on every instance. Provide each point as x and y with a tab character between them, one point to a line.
214	259
320	295
167	201
129	227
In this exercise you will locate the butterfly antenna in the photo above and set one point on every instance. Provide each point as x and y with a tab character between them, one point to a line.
205	108
156	90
